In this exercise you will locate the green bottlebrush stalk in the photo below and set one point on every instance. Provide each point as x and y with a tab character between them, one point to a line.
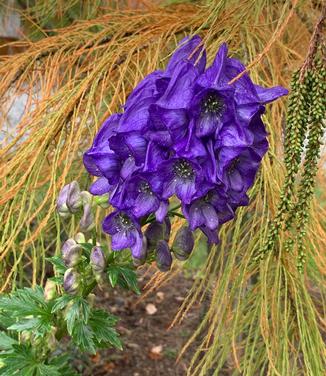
297	120
316	129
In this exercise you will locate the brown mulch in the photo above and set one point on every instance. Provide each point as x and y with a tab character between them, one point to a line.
149	347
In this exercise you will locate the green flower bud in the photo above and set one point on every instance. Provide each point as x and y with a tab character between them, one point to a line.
80	238
50	290
102	201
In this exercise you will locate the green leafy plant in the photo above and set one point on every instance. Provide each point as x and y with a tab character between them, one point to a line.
36	322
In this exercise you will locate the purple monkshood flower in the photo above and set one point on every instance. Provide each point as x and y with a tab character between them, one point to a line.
101	161
125	232
209	98
184	131
136	195
237	167
219	99
208	213
182	177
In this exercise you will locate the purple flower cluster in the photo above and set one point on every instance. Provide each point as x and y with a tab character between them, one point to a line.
184	131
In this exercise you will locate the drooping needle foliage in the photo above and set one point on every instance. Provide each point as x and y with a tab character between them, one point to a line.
265	279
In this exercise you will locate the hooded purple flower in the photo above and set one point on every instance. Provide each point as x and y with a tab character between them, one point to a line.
208	213
184	131
182	177
136	195
237	167
247	97
125	232
101	161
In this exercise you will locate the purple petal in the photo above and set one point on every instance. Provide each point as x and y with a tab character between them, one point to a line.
236	181
90	165
137	250
155	155
128	168
267	95
123	239
185	189
145	203
191	146
107	130
207	124
100	187
186	49
161	212
109	223
196	218
169	188
211	77
180	89
212	235
108	163
137	145
211	218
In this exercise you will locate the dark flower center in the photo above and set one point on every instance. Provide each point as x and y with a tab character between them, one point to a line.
123	222
183	169
233	166
212	103
144	187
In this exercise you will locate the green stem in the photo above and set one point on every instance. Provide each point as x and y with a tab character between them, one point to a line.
89	288
172	214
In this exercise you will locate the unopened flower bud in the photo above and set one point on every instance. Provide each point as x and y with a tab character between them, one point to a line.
71	281
86	197
163	256
143	254
87	221
157	231
74	199
102	201
50	290
66	246
73	256
71	253
25	336
80	238
62	207
69	199
183	243
97	260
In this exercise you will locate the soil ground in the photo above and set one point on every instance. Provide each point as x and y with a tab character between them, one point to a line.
149	347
